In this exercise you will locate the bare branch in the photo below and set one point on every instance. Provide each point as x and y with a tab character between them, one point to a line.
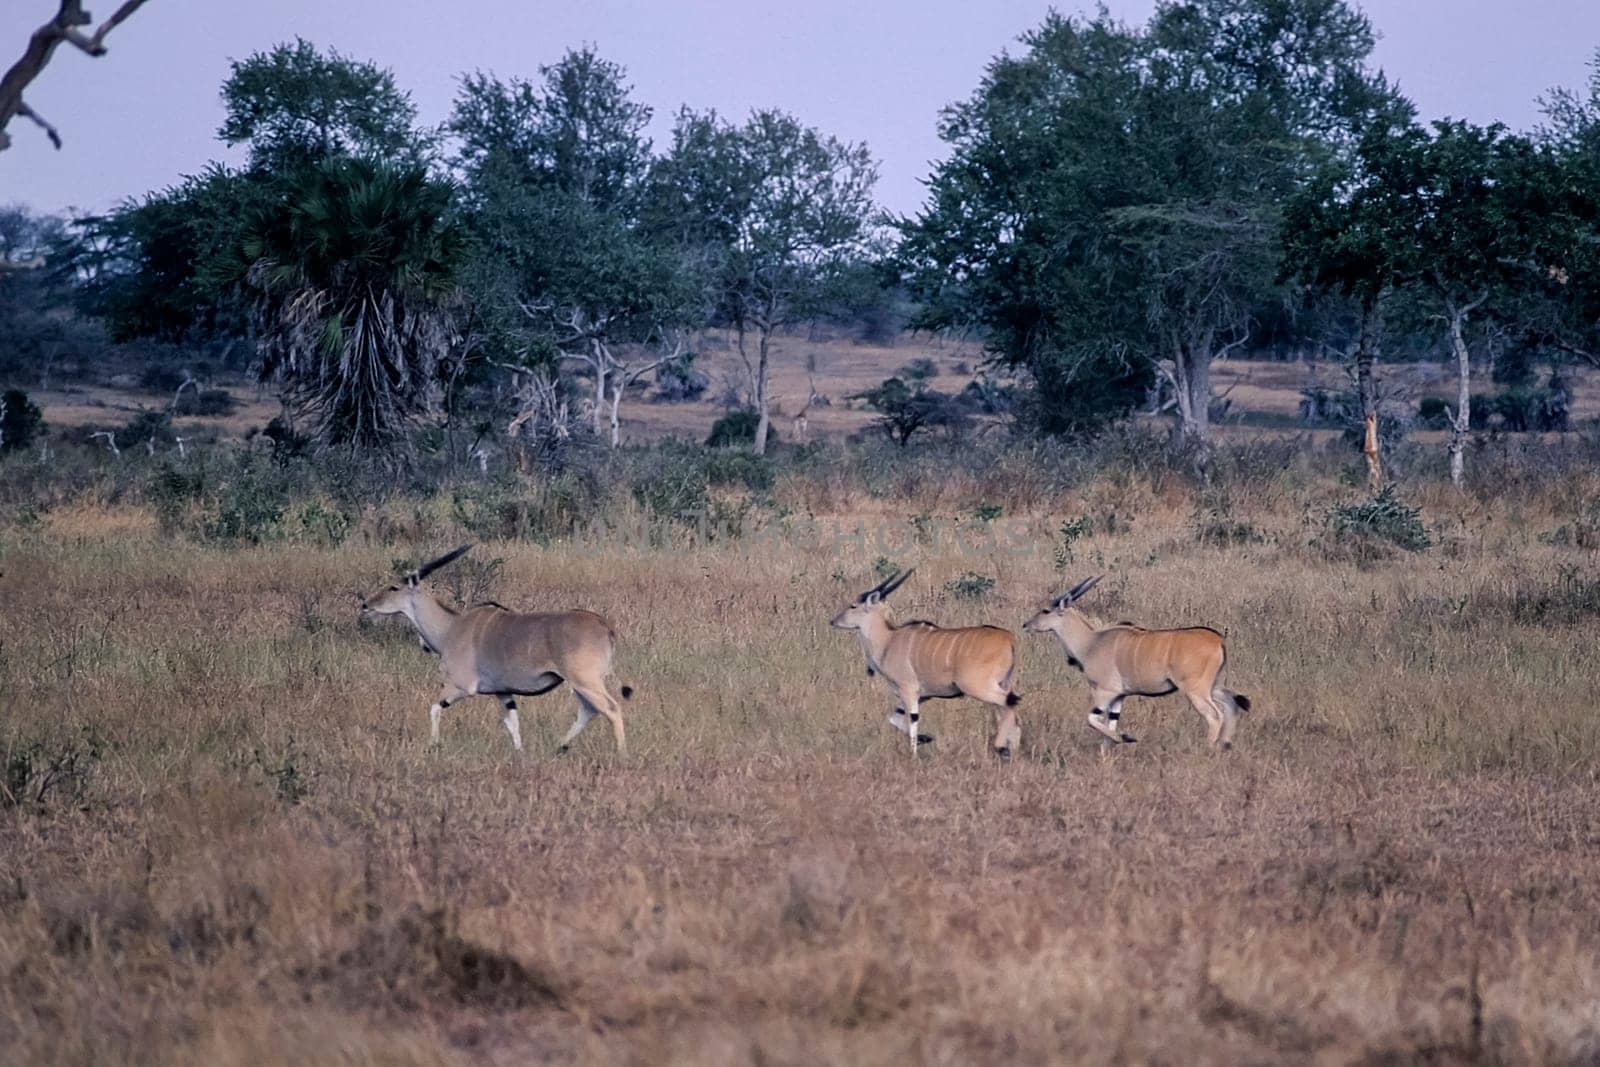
96	45
64	27
26	112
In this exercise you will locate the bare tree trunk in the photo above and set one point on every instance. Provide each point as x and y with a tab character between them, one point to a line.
618	385
1367	389
597	350
1192	378
1462	422
763	411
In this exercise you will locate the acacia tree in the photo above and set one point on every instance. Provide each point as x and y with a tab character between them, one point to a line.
1342	235
779	214
554	173
294	106
1109	209
1456	214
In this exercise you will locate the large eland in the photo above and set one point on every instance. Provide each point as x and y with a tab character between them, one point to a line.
490	650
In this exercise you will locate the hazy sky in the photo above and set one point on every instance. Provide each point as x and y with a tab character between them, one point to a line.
873	70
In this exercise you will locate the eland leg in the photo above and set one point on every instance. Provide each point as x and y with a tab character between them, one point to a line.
596	699
1105	715
909	700
513	727
447	696
898	720
1008	730
586	715
1200	700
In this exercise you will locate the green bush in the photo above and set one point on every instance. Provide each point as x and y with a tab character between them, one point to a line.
212	402
144	428
251	507
509	510
1433	414
172	488
970	586
737	428
37	772
1384	519
20	421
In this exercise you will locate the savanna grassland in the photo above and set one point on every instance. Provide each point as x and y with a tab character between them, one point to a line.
225	840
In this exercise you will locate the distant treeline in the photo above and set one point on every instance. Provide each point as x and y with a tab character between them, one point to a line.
1121	206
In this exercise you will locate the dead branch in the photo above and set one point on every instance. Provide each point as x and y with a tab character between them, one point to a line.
65	27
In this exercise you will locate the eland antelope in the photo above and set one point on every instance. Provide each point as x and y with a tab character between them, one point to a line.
921	661
1127	660
490	650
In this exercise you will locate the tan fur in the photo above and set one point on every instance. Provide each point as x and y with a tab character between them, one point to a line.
489	650
1127	660
922	661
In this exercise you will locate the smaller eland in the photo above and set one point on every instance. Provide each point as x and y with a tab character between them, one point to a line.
1127	660
921	661
490	650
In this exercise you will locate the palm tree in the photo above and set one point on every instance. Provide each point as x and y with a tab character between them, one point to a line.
353	271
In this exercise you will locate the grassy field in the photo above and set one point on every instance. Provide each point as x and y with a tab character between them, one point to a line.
227	841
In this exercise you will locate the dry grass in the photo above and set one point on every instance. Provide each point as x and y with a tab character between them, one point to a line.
247	854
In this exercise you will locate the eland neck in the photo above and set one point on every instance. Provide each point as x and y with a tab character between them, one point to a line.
874	636
1075	633
432	619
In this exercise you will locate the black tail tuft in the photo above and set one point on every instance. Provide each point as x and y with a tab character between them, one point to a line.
1242	701
1012	700
627	692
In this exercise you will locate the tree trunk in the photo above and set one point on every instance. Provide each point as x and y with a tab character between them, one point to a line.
1462	423
764	419
597	351
618	385
1367	389
1192	376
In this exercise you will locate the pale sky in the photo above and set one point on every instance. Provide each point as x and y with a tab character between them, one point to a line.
872	70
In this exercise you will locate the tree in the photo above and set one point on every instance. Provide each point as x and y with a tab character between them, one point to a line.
20	421
1341	235
65	28
151	267
1456	213
578	131
904	409
1109	210
294	106
777	212
560	260
166	265
353	276
1570	242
